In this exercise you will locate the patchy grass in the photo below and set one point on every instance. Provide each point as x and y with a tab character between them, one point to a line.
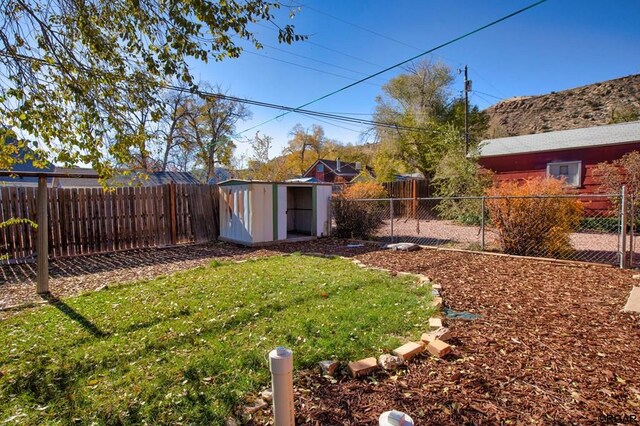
185	348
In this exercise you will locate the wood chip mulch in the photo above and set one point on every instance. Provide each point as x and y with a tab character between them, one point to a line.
552	347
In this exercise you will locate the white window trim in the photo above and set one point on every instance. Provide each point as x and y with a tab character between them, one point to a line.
566	163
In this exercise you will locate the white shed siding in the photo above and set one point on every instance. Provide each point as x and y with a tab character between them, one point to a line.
235	224
261	207
247	210
322	210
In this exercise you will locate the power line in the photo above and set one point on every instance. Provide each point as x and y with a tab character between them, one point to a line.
488	94
360	27
311	113
330	49
257	103
344	21
314	60
307	67
404	62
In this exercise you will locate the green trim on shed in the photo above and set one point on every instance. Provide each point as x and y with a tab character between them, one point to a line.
275	211
314	208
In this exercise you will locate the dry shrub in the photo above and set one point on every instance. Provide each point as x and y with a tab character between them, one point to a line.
359	219
534	226
362	190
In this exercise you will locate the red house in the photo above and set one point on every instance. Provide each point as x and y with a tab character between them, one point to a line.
334	171
568	154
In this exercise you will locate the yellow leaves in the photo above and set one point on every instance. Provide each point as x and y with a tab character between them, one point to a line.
365	190
532	218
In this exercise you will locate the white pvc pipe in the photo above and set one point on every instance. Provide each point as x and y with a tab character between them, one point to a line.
395	418
281	367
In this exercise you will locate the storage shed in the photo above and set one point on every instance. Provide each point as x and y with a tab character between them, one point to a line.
259	213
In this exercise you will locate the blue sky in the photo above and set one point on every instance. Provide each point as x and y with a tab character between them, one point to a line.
557	45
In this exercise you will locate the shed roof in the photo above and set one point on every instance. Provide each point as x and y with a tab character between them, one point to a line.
232	182
611	134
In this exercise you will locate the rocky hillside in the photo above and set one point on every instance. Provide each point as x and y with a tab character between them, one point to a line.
593	105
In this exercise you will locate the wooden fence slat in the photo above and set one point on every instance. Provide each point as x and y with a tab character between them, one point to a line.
91	220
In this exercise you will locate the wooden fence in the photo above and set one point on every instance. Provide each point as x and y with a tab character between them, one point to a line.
91	220
414	188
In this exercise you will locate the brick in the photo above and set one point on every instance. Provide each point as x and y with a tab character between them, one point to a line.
363	367
408	350
329	367
435	323
443	333
439	348
436	302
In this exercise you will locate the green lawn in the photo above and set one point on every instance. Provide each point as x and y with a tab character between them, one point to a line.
185	348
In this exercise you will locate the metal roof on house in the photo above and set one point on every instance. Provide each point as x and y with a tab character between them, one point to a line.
232	182
612	134
152	179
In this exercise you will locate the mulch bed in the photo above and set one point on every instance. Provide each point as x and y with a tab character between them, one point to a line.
552	346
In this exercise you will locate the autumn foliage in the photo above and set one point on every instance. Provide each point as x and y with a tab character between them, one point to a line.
364	190
531	219
359	219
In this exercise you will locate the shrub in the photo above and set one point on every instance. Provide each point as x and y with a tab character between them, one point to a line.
459	175
362	190
359	219
530	225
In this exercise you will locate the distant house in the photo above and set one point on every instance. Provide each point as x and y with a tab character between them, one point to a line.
335	171
134	179
571	155
26	166
220	174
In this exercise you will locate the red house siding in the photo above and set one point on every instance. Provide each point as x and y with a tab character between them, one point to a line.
527	165
327	175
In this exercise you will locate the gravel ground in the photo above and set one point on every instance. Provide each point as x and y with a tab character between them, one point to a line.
588	246
551	347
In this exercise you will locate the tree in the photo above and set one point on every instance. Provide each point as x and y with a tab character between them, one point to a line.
173	149
259	165
302	141
420	103
73	73
457	175
206	129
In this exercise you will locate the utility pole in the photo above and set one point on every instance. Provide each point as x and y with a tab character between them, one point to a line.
467	89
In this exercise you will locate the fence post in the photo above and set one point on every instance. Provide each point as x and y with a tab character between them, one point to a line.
391	216
623	227
172	217
42	285
482	226
632	228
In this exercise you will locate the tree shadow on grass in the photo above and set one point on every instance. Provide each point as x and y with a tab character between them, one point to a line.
74	315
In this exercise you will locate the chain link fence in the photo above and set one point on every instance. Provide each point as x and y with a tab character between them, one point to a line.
598	228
